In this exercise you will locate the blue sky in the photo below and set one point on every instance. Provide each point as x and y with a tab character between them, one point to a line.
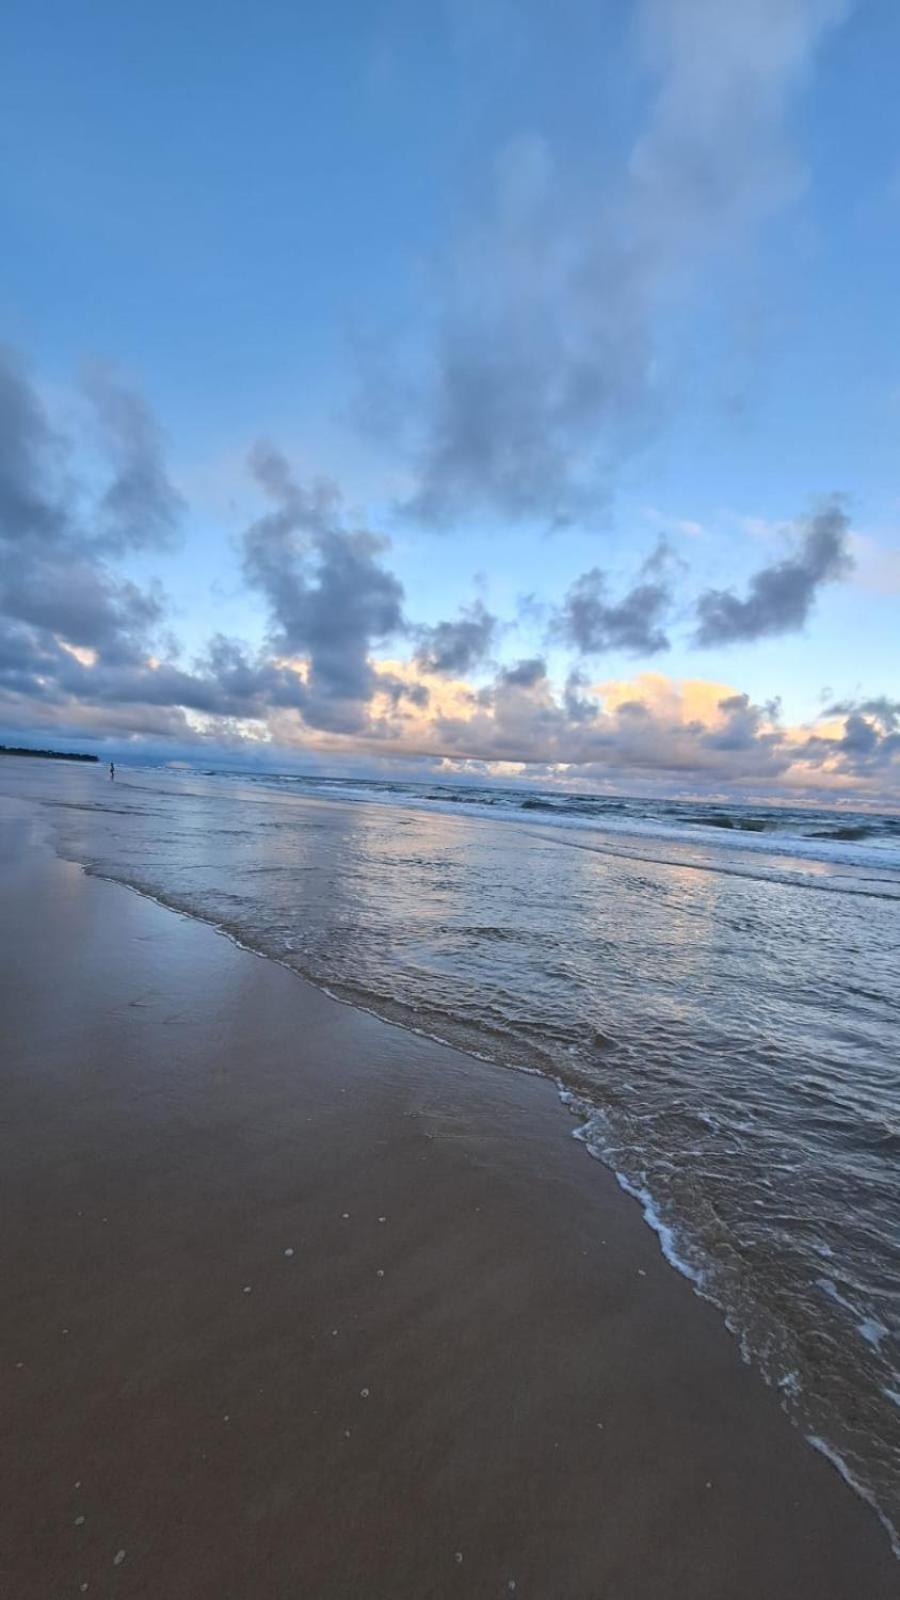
535	288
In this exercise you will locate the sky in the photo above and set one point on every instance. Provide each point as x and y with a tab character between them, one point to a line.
485	389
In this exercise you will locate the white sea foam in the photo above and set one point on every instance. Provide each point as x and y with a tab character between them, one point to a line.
589	1134
837	1461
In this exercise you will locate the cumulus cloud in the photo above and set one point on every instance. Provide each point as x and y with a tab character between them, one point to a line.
594	624
54	582
882	710
524	674
653	726
866	742
82	650
330	597
78	641
460	645
543	366
693	734
780	596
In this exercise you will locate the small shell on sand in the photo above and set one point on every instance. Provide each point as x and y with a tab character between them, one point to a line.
289	1251
458	1558
78	1521
364	1394
345	1216
380	1272
118	1558
382	1219
246	1288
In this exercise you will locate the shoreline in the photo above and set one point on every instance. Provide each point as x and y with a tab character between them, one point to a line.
819	1431
551	1400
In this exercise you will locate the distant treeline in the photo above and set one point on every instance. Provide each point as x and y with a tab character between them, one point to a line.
47	755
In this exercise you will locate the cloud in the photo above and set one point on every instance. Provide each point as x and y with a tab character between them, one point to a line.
745	726
648	728
459	646
715	158
78	641
54	582
673	735
140	506
28	449
781	596
539	370
329	595
83	652
524	675
864	751
543	363
884	711
593	624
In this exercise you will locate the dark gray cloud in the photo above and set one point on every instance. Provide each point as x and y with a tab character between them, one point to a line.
884	711
140	506
53	578
863	751
28	451
744	725
525	674
77	640
779	597
458	646
526	410
869	745
330	597
540	367
593	624
65	593
578	707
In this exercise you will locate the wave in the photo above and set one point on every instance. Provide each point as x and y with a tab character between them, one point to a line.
862	851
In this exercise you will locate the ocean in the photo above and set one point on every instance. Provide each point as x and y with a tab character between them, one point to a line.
714	988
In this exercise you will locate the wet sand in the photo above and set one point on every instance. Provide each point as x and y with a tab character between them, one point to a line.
296	1304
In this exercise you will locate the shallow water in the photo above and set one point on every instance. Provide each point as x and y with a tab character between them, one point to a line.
718	1001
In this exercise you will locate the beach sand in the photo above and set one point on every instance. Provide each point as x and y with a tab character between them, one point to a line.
297	1304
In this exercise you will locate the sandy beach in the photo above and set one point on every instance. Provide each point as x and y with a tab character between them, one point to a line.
299	1304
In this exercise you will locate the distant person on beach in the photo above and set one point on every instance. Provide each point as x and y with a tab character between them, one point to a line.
112	771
